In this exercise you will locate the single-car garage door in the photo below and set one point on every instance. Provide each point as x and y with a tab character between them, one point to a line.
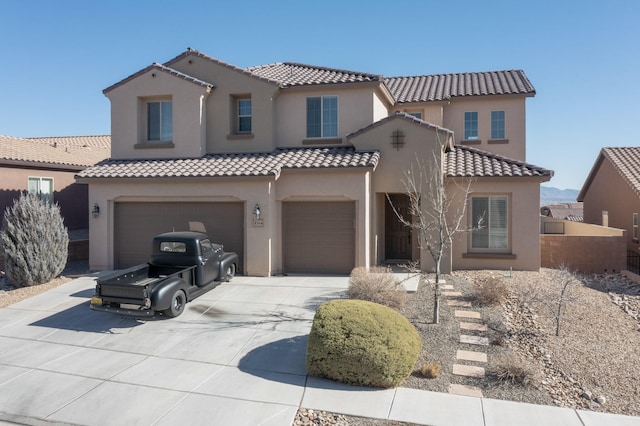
136	223
318	237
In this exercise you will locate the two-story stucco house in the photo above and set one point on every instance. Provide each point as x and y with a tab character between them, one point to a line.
290	165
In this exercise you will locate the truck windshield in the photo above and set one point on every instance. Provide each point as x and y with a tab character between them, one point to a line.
173	247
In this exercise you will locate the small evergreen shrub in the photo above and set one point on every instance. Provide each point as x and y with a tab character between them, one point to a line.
430	370
362	343
377	285
491	290
34	241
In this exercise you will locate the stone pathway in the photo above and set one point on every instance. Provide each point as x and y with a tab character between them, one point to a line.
472	341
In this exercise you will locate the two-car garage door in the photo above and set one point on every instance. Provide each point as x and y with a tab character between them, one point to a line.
136	224
318	237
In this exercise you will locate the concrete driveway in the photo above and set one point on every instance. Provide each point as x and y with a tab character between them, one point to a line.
236	356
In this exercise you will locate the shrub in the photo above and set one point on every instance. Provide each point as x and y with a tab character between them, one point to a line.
491	290
362	343
377	285
509	368
34	241
430	370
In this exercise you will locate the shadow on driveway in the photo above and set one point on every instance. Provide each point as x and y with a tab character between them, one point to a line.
82	318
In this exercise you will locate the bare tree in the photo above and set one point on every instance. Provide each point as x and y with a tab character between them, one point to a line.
555	298
435	214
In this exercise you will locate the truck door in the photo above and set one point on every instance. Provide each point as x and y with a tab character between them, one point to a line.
209	268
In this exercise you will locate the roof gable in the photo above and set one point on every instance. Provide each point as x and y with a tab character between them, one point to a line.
626	162
163	69
440	87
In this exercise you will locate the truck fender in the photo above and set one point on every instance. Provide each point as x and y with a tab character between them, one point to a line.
162	294
228	259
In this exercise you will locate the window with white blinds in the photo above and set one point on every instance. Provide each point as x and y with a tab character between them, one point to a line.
490	222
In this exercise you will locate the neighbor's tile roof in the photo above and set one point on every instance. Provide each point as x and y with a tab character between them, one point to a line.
294	74
77	151
439	87
464	161
247	164
626	161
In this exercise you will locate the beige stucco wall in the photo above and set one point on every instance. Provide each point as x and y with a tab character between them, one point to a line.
515	119
128	116
524	229
355	111
220	115
608	191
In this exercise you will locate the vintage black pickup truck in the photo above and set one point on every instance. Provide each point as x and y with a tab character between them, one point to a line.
183	266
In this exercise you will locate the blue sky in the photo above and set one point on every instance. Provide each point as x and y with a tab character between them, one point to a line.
583	57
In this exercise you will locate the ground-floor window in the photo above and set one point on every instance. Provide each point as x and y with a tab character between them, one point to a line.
490	222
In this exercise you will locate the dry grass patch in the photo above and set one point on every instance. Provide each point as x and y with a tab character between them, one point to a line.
490	290
377	285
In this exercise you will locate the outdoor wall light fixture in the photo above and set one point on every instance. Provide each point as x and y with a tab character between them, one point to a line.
257	216
96	211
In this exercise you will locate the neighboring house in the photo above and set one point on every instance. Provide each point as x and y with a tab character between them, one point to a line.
611	192
568	211
290	165
47	167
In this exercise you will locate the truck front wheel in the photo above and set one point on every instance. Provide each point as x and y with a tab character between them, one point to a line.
230	272
178	301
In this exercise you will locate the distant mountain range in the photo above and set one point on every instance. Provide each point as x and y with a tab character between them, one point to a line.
551	195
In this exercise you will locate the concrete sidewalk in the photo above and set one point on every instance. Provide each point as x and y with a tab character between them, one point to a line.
235	357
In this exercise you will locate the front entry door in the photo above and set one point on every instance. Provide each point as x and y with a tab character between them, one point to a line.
397	235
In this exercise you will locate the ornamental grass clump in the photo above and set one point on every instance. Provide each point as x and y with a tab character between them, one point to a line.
362	343
34	241
491	291
377	285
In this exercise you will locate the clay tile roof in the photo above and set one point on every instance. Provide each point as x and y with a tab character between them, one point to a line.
439	87
625	160
294	74
76	151
463	161
248	164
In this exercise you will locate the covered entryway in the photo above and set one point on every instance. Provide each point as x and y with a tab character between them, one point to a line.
397	241
136	223
319	237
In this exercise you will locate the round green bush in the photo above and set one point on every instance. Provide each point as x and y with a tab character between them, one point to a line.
362	343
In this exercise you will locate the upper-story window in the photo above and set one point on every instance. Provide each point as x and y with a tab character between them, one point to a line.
471	125
42	187
243	109
160	121
490	222
497	125
322	117
416	114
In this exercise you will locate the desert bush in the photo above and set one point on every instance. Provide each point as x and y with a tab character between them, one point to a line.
430	370
509	368
34	241
377	285
491	290
362	343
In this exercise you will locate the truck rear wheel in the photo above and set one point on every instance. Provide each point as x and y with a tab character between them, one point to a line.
178	301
